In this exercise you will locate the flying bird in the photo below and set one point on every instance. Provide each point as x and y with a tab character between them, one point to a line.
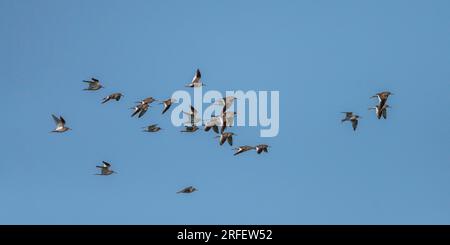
193	119
190	129
350	116
115	96
380	112
141	109
105	169
214	124
195	83
242	149
167	103
60	124
226	136
187	190
152	128
261	148
94	84
227	119
226	102
147	100
382	97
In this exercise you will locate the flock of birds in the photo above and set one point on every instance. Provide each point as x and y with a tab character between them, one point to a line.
217	123
380	109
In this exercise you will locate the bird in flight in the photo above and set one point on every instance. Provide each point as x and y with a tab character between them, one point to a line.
196	83
114	96
167	103
94	84
261	148
187	190
193	119
190	129
226	136
382	97
60	124
105	169
141	109
152	128
350	116
242	149
380	112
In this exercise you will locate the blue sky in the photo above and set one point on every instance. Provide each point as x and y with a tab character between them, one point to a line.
324	57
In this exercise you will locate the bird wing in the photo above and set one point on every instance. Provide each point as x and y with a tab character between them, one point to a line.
230	140
57	120
193	110
222	139
106	164
62	120
166	107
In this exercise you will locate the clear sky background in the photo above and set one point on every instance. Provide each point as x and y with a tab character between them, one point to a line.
324	57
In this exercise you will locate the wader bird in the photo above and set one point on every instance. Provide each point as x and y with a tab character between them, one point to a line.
152	128
380	112
115	96
196	83
141	109
214	124
187	190
193	119
261	148
226	136
167	103
105	169
190	129
94	84
226	102
147	100
382	97
349	116
241	149
227	120
60	124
